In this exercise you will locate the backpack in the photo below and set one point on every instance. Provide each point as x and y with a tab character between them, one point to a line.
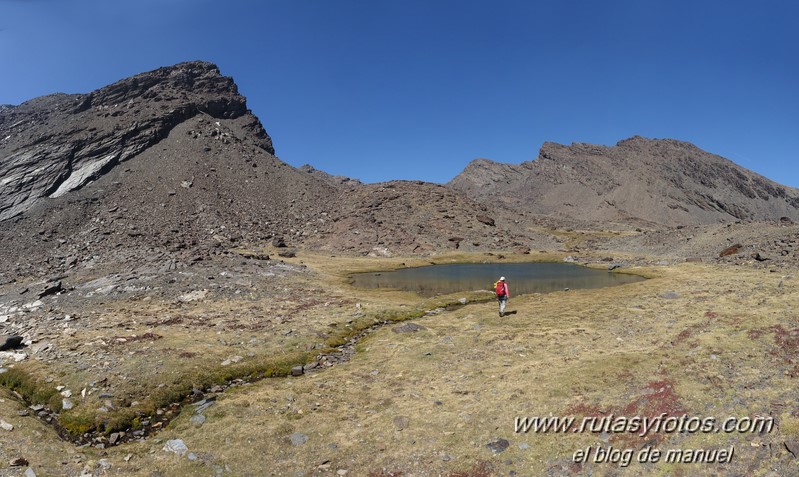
500	288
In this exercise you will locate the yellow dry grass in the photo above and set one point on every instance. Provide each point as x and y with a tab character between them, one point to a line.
704	340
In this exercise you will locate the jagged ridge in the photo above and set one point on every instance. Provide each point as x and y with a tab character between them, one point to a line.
641	181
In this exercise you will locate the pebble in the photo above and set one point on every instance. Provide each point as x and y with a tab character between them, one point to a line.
193	296
197	420
8	355
176	446
40	347
6	426
499	445
408	328
401	422
203	405
298	439
32	305
231	360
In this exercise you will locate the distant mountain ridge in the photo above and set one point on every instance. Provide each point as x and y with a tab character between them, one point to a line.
637	181
170	165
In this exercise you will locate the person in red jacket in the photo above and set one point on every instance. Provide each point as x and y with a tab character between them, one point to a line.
502	295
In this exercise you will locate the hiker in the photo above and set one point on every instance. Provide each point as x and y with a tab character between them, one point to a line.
502	295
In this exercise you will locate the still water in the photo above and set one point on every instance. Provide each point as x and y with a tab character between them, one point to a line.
521	278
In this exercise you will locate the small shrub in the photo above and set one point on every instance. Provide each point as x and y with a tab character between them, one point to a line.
30	388
77	423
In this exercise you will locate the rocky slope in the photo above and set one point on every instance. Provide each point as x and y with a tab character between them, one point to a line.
638	181
170	166
419	217
165	162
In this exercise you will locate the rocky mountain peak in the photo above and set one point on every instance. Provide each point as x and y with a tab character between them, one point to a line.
58	143
198	84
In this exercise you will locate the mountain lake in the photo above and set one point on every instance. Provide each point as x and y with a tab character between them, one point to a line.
522	278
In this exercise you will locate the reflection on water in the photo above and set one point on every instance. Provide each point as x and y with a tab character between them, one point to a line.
521	277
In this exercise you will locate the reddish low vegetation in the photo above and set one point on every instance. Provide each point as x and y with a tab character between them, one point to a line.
655	399
786	346
731	250
481	469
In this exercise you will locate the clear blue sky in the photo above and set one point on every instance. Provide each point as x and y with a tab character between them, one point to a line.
415	89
